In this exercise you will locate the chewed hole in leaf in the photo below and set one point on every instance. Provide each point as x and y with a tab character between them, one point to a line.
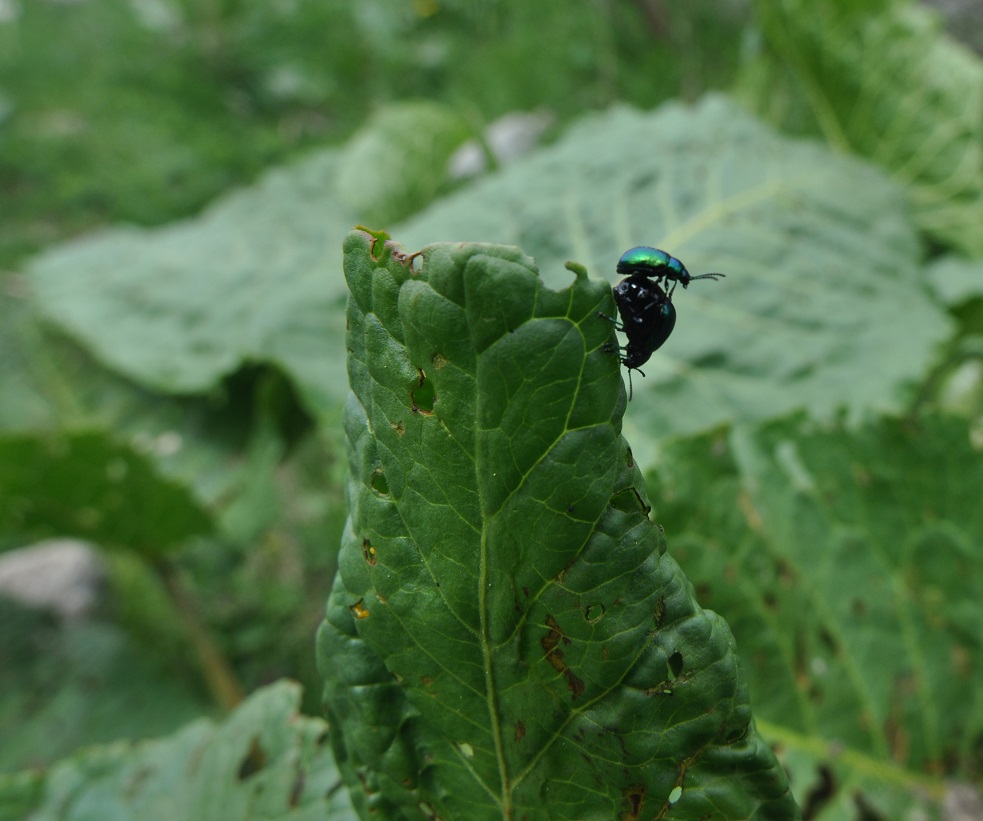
629	500
412	261
253	762
359	610
368	552
379	482
635	796
675	664
423	396
594	613
374	244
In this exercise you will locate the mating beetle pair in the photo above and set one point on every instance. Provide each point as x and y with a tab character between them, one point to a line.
646	310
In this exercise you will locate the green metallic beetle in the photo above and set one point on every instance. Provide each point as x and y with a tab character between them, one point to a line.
656	264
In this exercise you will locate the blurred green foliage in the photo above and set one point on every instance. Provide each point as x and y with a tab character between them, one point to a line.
205	357
143	110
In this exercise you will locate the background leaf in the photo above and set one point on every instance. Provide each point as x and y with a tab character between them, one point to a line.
176	309
506	637
823	305
86	682
263	762
397	162
956	280
881	79
87	485
848	564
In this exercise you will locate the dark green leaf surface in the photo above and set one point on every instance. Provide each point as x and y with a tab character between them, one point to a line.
849	567
507	638
263	762
85	484
824	302
880	78
256	278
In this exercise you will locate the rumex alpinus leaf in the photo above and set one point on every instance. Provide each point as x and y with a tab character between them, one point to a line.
851	576
263	762
507	637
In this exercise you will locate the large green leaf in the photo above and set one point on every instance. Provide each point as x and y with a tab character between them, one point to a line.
880	78
86	484
507	637
956	280
264	762
256	278
823	305
222	449
64	686
397	163
848	564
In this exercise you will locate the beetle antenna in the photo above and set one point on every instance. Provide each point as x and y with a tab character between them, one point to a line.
631	389
707	276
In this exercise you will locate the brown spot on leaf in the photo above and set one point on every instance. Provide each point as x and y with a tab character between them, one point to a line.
660	611
635	798
554	655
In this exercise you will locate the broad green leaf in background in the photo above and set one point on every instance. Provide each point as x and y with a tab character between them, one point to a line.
263	762
63	686
507	637
224	448
398	161
256	278
957	383
23	402
824	304
848	564
86	484
956	280
881	79
258	578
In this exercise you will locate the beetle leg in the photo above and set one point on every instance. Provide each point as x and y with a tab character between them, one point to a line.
617	325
